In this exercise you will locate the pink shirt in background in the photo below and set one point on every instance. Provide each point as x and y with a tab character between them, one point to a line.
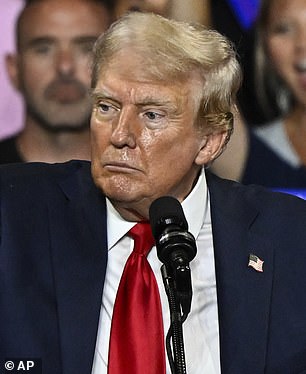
11	120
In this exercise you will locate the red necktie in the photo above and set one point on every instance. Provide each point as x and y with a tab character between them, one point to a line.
137	336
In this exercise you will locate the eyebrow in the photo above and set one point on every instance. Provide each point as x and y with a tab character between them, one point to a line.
85	39
39	40
36	41
100	94
146	101
155	102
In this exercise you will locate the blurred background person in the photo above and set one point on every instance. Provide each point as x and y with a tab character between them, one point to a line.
181	10
231	18
274	154
10	101
51	70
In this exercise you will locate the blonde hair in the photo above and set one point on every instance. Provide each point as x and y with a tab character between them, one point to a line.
172	51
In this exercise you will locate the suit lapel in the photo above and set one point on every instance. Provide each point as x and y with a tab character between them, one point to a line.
243	293
78	235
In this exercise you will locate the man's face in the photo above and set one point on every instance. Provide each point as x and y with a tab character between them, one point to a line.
144	141
52	67
155	6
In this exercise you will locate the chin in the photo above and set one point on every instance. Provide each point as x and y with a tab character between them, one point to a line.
118	189
122	196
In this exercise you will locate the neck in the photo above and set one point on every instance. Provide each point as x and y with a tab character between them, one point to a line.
38	144
137	213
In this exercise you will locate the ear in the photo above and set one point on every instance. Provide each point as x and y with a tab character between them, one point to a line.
211	148
11	63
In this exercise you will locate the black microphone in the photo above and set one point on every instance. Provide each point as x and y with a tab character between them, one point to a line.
175	245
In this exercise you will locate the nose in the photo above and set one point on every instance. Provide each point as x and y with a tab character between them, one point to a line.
65	62
123	130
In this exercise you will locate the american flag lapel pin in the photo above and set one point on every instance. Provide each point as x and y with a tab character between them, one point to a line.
256	263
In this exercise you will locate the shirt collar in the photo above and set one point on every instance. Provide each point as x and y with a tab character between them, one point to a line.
196	205
195	208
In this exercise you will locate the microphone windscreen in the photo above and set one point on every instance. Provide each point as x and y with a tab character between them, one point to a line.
166	211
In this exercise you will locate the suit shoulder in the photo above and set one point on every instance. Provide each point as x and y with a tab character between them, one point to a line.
39	170
262	198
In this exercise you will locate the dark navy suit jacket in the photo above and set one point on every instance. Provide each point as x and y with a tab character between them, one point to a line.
53	258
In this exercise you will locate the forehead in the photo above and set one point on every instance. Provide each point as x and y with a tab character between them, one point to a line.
287	7
67	18
126	78
155	6
144	65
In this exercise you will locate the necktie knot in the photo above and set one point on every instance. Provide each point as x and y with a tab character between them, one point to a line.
143	238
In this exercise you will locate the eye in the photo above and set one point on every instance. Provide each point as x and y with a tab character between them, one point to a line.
281	28
42	48
104	108
86	48
153	116
155	120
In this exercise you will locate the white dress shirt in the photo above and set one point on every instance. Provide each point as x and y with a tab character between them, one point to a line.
201	329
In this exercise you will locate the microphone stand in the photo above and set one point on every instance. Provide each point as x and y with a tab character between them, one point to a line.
176	247
178	314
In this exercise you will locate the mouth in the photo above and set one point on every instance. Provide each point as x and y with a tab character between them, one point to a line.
300	66
300	72
65	92
120	167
